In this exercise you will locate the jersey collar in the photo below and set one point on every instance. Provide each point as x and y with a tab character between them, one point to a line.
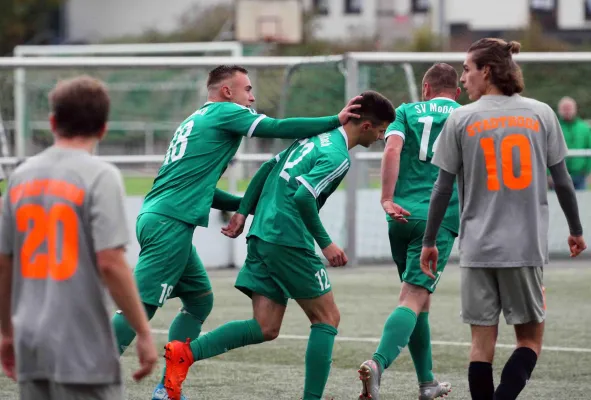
442	98
342	130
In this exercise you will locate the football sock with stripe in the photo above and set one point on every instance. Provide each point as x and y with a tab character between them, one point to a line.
516	373
318	360
396	335
419	347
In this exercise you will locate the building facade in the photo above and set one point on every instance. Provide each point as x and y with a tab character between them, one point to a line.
91	21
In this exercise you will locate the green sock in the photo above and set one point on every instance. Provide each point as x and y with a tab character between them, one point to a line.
189	321
318	360
229	336
420	349
123	331
395	337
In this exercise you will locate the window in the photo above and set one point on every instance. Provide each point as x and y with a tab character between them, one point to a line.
320	7
420	6
542	5
353	6
386	8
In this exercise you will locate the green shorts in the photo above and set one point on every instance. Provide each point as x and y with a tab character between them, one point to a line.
282	272
168	264
406	243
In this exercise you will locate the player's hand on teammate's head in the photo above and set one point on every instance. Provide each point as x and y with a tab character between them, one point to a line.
147	355
235	226
7	357
429	256
576	244
348	112
335	255
395	212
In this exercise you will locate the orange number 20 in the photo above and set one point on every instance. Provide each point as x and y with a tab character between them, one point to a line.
44	229
509	179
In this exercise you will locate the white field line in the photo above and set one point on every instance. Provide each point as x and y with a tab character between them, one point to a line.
434	342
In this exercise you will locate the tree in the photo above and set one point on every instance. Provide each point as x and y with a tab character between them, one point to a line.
199	24
27	21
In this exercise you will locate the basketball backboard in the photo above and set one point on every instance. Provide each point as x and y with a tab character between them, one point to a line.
279	21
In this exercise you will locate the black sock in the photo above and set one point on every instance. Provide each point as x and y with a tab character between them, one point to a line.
516	373
480	379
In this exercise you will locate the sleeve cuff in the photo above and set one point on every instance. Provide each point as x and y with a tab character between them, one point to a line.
254	125
113	244
441	165
307	186
397	133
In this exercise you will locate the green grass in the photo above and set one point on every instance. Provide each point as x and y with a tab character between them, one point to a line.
140	185
366	296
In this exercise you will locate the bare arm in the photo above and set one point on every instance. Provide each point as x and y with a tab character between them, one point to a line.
117	277
5	295
391	166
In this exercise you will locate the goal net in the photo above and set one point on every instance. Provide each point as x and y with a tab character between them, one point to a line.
145	102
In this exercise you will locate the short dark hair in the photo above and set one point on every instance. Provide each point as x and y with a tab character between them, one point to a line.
223	72
80	106
505	74
441	77
375	107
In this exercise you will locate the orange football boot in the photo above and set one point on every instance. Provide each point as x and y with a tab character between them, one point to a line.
179	359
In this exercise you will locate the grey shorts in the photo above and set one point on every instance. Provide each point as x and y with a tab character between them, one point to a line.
519	292
46	390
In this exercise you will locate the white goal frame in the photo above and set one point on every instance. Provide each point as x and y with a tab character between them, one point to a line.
234	49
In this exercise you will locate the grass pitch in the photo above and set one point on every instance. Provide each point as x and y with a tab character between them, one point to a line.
366	296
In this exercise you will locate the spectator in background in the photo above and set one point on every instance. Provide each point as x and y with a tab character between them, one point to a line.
577	135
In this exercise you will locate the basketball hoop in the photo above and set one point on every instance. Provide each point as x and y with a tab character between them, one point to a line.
269	21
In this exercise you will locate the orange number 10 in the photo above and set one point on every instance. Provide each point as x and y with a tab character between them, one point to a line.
45	228
509	179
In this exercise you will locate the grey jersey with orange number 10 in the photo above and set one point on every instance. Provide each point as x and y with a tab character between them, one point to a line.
60	208
500	148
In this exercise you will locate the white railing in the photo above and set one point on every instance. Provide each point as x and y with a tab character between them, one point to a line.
233	48
244	157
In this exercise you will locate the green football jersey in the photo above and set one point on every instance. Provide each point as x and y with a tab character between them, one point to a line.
319	163
201	149
420	124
